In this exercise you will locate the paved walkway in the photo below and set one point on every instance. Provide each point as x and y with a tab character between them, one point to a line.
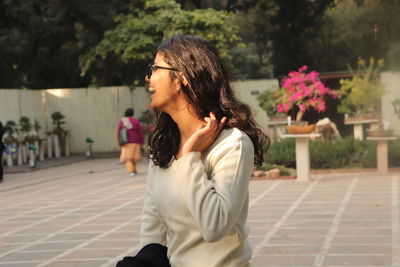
88	213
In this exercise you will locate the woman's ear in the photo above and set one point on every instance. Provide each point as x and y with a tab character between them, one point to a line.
184	80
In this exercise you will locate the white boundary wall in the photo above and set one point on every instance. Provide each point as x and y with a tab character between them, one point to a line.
95	112
89	112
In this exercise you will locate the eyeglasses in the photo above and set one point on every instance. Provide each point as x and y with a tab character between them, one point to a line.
152	67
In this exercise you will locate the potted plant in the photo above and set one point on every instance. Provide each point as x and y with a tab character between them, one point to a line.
396	106
11	128
58	120
361	93
381	129
267	102
36	127
301	91
25	128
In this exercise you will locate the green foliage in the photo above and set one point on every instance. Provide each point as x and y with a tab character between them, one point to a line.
137	35
396	106
282	153
283	171
352	29
336	154
292	27
58	117
361	93
267	101
11	127
25	124
36	126
342	153
51	44
394	153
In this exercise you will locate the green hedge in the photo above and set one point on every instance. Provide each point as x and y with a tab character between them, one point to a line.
341	153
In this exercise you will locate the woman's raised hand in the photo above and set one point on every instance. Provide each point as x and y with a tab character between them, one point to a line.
205	135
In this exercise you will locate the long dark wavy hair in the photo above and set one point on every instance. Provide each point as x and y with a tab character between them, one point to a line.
208	90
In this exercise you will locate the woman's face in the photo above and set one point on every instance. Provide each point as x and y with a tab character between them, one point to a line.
166	95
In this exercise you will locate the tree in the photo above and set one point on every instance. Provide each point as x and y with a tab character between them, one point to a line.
277	33
137	34
353	29
41	40
296	23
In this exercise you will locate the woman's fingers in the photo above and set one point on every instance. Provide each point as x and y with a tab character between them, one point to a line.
222	123
213	127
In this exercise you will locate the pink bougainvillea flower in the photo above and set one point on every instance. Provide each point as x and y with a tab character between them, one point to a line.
304	90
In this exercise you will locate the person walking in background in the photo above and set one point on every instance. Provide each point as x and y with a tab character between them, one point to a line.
131	150
2	131
202	153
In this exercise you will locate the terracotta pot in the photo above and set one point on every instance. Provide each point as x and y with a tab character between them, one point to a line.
295	129
58	130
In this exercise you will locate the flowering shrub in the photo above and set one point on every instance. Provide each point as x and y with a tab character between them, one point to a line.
304	90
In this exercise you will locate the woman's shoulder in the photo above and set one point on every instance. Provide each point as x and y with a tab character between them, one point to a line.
134	120
232	137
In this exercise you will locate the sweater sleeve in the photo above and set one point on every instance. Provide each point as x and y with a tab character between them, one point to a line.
216	202
151	229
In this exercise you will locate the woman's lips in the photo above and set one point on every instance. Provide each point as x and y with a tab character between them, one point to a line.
151	90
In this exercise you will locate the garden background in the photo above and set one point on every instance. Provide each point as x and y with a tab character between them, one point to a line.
99	50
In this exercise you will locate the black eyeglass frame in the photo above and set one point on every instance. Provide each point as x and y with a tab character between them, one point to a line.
152	67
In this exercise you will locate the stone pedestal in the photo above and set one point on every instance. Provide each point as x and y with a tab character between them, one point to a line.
56	143
276	129
20	150
302	154
24	152
49	145
67	137
41	149
9	160
358	126
382	162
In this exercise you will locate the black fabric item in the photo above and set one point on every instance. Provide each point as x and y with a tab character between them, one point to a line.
151	255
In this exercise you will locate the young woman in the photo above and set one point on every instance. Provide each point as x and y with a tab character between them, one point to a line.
202	154
131	151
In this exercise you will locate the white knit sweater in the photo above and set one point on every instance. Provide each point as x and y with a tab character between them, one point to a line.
198	206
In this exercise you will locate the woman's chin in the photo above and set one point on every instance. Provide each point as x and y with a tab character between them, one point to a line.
154	105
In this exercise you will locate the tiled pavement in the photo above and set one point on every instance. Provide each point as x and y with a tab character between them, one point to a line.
87	214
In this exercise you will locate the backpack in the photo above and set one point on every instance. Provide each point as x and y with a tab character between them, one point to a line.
123	136
123	133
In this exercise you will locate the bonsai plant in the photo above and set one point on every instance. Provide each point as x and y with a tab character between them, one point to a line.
361	93
36	127
57	118
25	128
301	91
11	128
267	102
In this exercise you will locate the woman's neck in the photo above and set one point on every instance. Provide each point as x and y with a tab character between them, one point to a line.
188	122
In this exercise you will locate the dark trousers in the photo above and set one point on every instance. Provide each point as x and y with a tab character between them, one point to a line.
152	255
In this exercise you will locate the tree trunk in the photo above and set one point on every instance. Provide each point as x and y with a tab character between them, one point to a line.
299	115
